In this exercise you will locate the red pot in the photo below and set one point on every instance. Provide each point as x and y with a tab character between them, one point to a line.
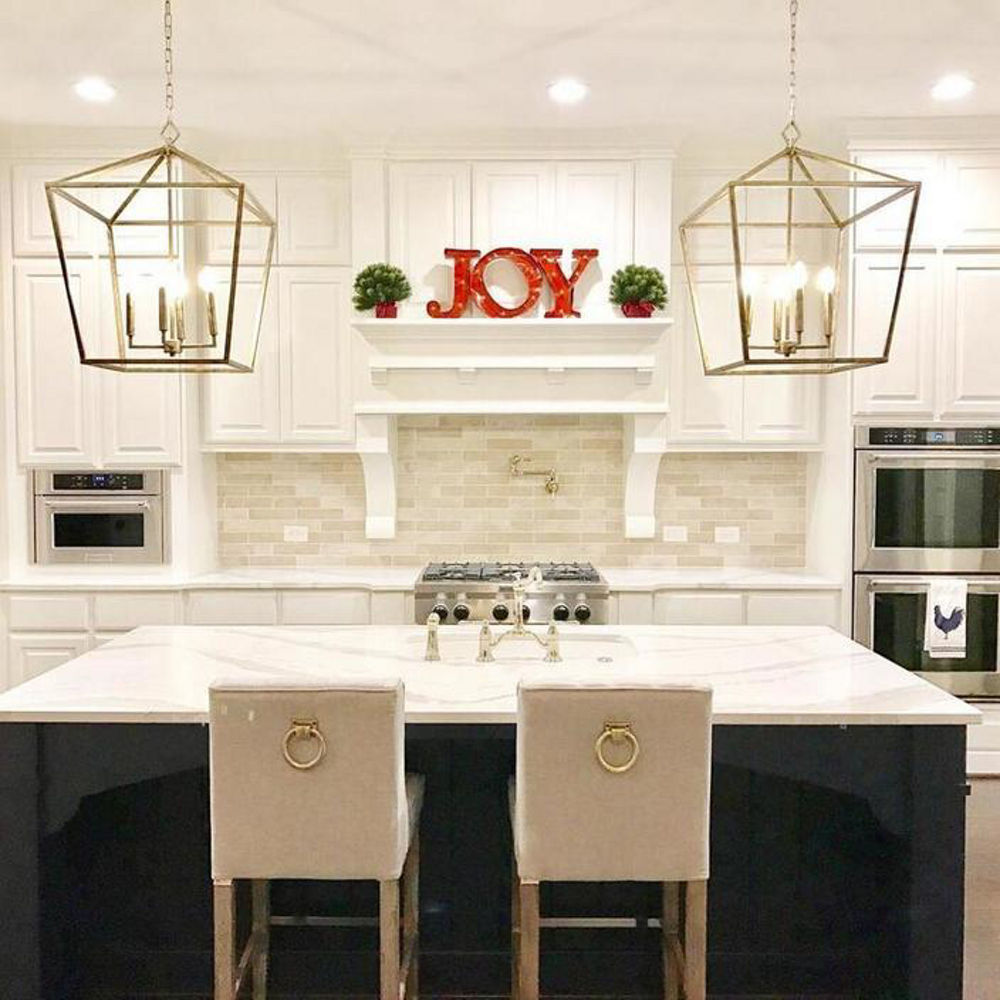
638	310
385	310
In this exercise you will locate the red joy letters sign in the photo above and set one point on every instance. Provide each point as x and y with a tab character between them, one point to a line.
534	265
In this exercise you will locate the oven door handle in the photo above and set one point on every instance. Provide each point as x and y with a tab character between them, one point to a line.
97	506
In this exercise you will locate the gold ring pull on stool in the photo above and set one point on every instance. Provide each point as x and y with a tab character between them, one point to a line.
617	733
302	730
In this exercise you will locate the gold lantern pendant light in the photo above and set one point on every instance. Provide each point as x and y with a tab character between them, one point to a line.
173	238
765	259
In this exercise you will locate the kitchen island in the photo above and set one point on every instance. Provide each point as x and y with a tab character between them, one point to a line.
837	817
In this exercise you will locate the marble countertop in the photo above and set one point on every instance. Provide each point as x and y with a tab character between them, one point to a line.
392	578
762	675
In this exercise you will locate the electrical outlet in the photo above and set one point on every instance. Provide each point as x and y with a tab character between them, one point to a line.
727	535
296	533
675	533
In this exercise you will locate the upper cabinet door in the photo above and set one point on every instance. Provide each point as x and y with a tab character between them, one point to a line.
887	227
253	239
315	354
970	360
595	208
782	409
904	386
972	209
243	408
429	209
139	413
513	205
55	393
32	221
314	219
703	410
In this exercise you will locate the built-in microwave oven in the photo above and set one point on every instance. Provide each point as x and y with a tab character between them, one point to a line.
927	500
98	517
889	618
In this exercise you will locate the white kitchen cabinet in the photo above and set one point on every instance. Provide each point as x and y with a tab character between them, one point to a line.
298	396
886	228
314	221
791	608
231	607
315	357
243	407
679	608
70	415
117	610
429	209
729	411
31	218
971	210
904	386
45	610
325	607
30	654
969	359
253	239
55	393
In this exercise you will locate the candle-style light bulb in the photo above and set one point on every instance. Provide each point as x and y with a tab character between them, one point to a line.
826	282
798	277
749	284
206	282
779	290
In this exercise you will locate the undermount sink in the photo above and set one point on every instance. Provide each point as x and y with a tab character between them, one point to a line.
460	644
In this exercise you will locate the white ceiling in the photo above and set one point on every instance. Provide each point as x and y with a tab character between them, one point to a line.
393	69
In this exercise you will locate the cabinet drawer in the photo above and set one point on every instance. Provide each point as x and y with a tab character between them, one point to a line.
30	655
232	607
784	608
392	607
671	608
123	611
325	607
51	612
635	609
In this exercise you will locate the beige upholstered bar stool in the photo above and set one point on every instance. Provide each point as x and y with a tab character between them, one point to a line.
612	785
308	782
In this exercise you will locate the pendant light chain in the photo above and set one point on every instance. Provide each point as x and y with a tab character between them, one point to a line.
169	132
791	130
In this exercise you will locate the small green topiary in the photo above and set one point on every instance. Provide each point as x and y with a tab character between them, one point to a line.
636	283
379	283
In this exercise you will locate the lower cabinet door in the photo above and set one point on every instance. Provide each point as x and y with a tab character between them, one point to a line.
31	654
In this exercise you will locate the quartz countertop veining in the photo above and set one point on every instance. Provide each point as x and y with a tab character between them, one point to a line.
761	675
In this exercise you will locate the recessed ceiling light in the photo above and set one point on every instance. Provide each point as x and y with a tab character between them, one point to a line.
94	88
568	90
952	87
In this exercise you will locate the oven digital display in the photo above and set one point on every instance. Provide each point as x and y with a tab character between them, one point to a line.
941	437
97	481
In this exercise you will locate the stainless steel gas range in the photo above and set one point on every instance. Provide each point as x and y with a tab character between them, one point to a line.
475	591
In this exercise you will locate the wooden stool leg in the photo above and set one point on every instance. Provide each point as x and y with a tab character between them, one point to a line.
411	916
388	912
671	923
224	906
529	945
695	939
261	895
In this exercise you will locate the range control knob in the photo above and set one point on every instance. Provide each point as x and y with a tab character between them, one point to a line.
501	612
461	612
582	613
525	612
561	613
441	611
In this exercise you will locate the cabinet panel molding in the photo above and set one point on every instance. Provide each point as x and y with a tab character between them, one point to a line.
314	219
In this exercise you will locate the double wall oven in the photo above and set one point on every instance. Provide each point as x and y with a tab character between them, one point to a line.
927	506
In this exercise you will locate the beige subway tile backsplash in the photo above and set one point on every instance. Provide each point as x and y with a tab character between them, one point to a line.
457	501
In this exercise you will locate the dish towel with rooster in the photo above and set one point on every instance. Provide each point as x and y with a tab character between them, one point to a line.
944	625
